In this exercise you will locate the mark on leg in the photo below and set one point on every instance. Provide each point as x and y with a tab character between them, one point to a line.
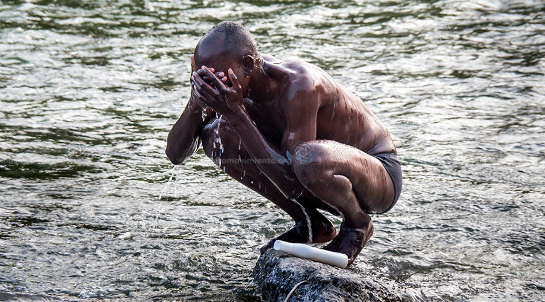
305	153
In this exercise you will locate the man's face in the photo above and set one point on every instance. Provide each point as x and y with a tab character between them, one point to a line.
210	53
222	64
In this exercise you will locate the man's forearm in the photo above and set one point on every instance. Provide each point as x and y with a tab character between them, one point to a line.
275	165
183	138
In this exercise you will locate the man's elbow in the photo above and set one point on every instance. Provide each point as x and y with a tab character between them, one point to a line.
178	155
174	157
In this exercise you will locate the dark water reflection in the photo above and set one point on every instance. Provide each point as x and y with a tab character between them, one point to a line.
89	90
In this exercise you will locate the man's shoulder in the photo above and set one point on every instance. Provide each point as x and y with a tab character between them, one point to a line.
306	77
311	80
299	78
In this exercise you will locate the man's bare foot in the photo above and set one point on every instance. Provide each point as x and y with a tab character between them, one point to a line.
350	241
322	231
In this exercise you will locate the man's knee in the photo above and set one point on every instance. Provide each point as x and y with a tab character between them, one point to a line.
311	164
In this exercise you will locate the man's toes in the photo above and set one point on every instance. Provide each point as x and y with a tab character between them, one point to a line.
350	242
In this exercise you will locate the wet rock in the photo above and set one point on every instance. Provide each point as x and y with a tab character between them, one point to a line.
276	274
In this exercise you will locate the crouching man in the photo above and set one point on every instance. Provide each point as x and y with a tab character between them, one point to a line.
288	131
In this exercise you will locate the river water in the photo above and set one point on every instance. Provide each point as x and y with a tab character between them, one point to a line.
90	207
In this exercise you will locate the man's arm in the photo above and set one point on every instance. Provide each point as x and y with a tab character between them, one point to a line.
274	163
183	139
301	116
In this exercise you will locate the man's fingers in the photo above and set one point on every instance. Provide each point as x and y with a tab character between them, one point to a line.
203	87
202	73
221	76
196	86
201	70
215	81
202	96
198	80
234	79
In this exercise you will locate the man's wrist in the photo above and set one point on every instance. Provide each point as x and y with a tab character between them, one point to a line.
194	105
237	116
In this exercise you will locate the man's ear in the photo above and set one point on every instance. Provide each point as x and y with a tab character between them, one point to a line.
248	63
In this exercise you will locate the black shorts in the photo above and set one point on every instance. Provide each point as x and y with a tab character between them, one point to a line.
393	167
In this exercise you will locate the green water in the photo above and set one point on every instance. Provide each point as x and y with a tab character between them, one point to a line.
90	89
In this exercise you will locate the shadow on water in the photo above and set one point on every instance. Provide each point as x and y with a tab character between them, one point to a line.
91	208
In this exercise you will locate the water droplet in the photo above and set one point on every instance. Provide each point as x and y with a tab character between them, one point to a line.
173	175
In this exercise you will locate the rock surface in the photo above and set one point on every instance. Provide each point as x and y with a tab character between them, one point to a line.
277	273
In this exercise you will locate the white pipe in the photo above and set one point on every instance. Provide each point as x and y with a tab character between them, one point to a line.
308	252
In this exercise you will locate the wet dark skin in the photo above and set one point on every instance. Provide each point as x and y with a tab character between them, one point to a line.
288	131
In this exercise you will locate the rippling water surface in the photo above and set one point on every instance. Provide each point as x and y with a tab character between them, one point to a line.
90	89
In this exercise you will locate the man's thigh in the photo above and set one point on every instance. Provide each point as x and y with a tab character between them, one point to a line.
371	182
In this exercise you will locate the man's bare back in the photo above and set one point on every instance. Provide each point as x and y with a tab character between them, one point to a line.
341	115
288	131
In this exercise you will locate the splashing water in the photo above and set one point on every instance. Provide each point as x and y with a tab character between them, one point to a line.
171	180
217	142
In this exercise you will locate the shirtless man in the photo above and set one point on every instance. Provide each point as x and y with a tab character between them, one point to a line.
288	131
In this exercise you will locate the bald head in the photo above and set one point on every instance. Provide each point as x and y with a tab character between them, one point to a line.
226	40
